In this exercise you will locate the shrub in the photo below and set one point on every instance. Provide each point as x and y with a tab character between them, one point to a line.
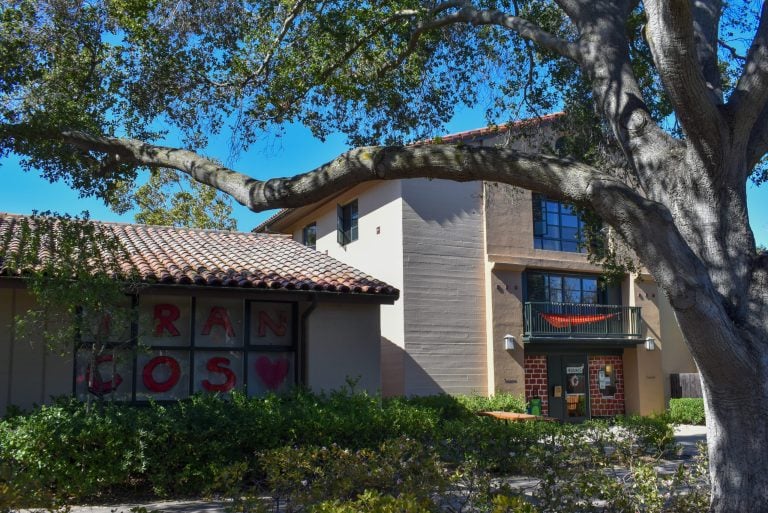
652	434
374	502
687	410
309	475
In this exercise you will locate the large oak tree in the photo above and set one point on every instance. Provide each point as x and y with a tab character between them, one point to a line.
667	102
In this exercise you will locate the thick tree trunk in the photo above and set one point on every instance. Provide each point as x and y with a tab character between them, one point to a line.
737	431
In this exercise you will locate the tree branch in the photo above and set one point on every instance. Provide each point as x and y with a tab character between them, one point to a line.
554	176
751	94
670	34
469	14
647	225
706	22
524	28
650	230
758	140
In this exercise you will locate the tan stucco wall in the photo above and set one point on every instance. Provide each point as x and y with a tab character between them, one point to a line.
378	251
30	373
506	369
643	375
676	356
343	342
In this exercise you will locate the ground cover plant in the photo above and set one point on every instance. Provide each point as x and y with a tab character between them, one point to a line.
687	410
334	452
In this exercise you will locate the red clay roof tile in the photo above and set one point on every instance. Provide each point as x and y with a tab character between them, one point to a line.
182	256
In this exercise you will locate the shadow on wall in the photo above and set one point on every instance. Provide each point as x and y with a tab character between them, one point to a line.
394	362
442	201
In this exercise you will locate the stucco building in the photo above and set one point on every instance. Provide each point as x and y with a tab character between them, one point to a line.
477	262
217	311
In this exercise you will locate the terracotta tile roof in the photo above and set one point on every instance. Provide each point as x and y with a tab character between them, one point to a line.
479	133
466	136
180	256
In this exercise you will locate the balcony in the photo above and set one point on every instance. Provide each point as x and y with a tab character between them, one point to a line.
561	322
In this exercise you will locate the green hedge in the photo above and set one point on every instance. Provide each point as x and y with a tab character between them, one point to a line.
185	447
208	445
688	410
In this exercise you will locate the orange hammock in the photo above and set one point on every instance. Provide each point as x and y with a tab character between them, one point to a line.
565	320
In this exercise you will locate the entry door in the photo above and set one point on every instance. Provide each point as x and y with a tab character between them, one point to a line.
567	376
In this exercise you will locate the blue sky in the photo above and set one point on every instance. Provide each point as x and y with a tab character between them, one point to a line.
295	152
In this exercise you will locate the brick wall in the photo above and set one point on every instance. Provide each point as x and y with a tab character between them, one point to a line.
601	405
536	380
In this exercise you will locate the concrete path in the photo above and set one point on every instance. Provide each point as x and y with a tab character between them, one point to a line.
686	436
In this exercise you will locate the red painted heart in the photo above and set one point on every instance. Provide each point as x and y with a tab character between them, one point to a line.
272	373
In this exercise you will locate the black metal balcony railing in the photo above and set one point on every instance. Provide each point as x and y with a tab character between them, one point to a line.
569	320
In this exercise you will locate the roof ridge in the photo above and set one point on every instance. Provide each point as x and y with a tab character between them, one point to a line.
143	225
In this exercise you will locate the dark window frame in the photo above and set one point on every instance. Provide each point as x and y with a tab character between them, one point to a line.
550	219
598	292
347	223
311	228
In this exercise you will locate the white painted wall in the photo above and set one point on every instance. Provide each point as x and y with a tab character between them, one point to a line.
444	293
343	342
378	252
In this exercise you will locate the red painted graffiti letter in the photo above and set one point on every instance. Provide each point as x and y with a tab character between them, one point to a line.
218	317
217	364
98	386
165	314
164	386
278	327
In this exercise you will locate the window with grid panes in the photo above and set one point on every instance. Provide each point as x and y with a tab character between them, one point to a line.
563	288
556	226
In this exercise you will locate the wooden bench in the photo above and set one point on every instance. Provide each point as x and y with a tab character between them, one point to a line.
515	417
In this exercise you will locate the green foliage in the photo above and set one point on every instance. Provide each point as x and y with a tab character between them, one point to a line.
328	451
309	475
172	199
687	410
374	502
72	268
600	467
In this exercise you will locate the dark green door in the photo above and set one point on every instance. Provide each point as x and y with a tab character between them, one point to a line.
567	378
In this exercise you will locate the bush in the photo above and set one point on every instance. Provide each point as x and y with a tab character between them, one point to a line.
653	434
303	476
206	444
374	502
688	410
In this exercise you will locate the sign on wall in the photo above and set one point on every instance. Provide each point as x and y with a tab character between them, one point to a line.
192	345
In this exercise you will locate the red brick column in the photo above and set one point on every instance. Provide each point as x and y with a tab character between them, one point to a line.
600	405
536	380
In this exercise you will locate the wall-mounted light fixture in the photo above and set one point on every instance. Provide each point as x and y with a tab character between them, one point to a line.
509	342
609	370
650	344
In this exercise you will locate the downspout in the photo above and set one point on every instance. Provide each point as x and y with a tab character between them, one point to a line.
303	340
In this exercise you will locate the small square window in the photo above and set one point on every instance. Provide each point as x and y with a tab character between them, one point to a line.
346	223
309	236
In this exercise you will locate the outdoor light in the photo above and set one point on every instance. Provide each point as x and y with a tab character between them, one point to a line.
608	369
650	344
509	342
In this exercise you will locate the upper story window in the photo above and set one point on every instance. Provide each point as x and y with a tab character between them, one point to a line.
556	226
309	236
346	223
563	288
